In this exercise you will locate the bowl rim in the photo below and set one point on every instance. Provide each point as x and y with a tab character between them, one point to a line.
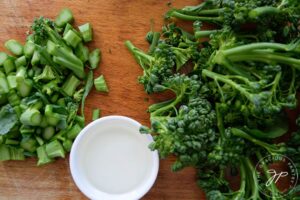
91	192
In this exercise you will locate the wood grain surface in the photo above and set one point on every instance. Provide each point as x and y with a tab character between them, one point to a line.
114	21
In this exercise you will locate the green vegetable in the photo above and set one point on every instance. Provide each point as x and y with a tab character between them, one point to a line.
3	57
8	119
72	38
94	58
87	89
86	32
100	84
70	85
231	85
41	87
65	16
14	46
96	114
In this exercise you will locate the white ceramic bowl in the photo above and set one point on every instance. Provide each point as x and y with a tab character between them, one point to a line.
93	140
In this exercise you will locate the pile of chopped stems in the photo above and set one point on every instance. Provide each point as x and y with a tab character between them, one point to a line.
42	84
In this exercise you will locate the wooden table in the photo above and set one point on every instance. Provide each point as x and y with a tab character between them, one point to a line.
114	21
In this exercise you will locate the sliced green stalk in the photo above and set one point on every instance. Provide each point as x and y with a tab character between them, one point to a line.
28	144
10	153
35	58
4	88
31	117
86	32
3	57
87	89
13	98
94	58
72	38
9	65
80	120
67	144
39	140
73	132
21	61
96	114
14	46
55	149
82	52
29	48
48	132
43	158
100	84
70	85
12	81
65	16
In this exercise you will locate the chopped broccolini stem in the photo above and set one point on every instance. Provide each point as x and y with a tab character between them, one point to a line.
65	16
55	149
100	84
72	38
96	114
43	158
94	58
14	46
70	85
86	32
31	117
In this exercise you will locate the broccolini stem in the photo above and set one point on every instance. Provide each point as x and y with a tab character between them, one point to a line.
138	54
273	186
254	46
270	148
267	58
215	11
194	18
254	181
204	33
171	105
220	121
259	11
224	79
156	36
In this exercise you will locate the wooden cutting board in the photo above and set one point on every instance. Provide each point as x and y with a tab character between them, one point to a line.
114	21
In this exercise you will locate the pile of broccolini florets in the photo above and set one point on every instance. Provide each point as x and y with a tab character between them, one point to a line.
42	85
232	87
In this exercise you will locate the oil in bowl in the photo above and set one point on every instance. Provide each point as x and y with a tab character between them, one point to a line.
110	159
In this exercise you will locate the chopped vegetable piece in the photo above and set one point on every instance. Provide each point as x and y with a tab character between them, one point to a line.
65	16
14	46
82	52
9	65
4	88
31	117
94	58
72	38
70	85
48	132
43	158
29	144
3	57
29	48
73	132
87	89
100	84
86	32
96	114
21	61
55	149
